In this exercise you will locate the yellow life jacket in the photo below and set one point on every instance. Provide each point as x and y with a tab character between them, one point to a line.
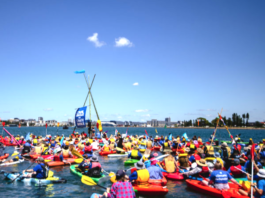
129	145
90	140
192	146
35	141
111	146
112	140
17	138
170	166
38	150
183	154
134	153
166	145
65	153
106	148
228	151
210	150
149	144
142	177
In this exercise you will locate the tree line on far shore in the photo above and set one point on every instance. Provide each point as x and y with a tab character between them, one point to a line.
235	121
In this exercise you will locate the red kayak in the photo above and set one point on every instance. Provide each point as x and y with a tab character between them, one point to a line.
198	187
35	156
151	190
156	148
158	182
68	161
4	156
10	144
103	153
174	176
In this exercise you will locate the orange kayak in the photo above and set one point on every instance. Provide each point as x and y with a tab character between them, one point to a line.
68	161
151	190
4	156
158	182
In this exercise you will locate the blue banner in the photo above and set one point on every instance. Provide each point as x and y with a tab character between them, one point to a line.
80	117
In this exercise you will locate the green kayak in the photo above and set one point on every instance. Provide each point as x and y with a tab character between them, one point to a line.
130	162
229	142
74	171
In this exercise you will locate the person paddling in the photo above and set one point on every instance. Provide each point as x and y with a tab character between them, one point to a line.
40	171
141	176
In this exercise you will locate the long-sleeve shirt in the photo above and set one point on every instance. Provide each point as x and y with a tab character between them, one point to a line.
195	171
155	172
121	190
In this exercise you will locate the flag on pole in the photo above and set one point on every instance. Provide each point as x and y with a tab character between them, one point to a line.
146	133
155	130
3	123
99	126
62	140
165	126
58	124
252	151
80	72
27	137
46	125
116	131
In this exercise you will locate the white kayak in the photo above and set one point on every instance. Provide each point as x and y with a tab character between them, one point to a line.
118	155
11	163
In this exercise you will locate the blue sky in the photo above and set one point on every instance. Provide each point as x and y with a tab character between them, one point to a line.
189	58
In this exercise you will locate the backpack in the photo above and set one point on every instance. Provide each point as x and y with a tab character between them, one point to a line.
94	172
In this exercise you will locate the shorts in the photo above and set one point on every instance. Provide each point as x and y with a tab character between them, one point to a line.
221	186
33	175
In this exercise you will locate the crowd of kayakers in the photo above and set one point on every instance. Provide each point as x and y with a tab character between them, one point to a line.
211	163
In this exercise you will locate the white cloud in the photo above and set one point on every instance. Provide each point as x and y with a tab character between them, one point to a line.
135	84
146	115
123	42
94	39
48	109
141	110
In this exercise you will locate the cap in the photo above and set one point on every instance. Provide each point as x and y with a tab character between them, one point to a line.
120	174
40	159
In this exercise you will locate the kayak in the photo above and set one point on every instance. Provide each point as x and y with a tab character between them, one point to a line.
118	155
35	156
103	153
4	156
94	195
158	182
49	180
130	162
198	187
150	190
10	144
74	171
229	142
156	148
68	161
11	163
173	176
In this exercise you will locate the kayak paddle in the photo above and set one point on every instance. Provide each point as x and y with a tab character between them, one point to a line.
88	181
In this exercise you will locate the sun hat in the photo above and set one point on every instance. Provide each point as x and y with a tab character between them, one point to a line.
139	165
236	161
261	173
94	159
201	162
199	150
187	149
40	159
120	174
217	154
223	145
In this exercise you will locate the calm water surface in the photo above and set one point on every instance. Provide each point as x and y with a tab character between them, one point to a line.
75	188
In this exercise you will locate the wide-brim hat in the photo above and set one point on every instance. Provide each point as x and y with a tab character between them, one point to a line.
201	162
261	173
216	154
94	159
224	144
187	149
139	165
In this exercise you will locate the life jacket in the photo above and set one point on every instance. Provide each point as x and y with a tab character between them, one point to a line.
183	160
105	148
88	149
65	153
76	141
95	164
134	153
170	166
197	157
210	150
38	150
112	140
204	172
128	145
26	149
56	158
35	141
100	141
45	151
192	147
166	145
149	144
142	177
237	149
235	172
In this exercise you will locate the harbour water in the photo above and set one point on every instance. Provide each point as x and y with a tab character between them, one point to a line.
75	188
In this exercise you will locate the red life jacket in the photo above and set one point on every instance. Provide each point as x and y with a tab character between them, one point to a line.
235	171
96	164
56	158
238	148
100	141
88	149
197	157
205	169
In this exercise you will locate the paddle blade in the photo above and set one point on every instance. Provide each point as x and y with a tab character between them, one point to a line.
78	161
104	179
88	181
15	153
47	160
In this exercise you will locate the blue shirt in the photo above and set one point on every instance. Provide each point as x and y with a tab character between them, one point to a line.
133	176
261	186
220	177
39	170
155	172
192	159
